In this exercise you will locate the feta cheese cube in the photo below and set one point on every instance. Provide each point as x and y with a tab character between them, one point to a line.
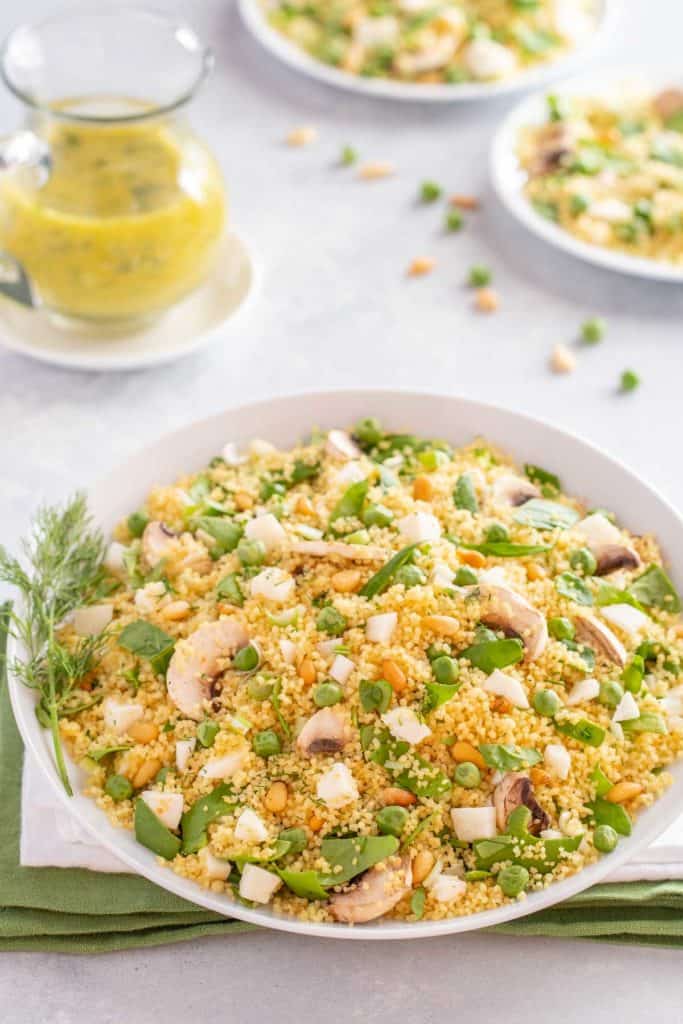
249	828
404	724
508	687
258	885
168	807
337	786
470	823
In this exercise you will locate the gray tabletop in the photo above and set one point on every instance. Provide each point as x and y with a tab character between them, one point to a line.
336	309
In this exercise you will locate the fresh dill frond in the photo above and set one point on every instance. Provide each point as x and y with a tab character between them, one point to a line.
59	569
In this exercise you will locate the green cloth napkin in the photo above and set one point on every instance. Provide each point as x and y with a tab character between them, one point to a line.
43	908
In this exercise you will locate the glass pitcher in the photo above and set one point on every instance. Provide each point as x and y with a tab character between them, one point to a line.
111	209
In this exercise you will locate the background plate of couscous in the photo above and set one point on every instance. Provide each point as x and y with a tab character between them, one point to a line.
509	178
604	13
586	473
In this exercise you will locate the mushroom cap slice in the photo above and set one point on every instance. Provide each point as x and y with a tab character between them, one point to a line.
325	732
374	894
504	609
514	490
611	557
554	141
338	549
595	634
340	445
156	541
514	790
198	659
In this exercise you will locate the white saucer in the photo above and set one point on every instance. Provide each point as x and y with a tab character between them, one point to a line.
203	317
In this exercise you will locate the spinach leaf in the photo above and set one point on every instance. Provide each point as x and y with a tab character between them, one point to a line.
383	578
379	745
423	779
582	730
614	815
574	588
504	549
548	482
196	820
546	515
229	589
654	589
414	774
100	753
303	883
607	594
648	721
464	495
524	849
438	694
303	471
149	642
507	757
150	832
351	502
492	654
226	533
354	856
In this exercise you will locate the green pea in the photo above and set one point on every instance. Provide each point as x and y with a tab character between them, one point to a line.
429	191
605	838
465	577
377	515
251	552
467	775
445	669
632	676
561	628
629	381
348	156
578	204
497	534
247	659
479	276
410	576
326	694
433	458
513	880
259	689
330	621
296	837
611	693
207	732
547	703
584	560
267	743
136	523
368	432
375	695
118	787
593	330
392	820
454	220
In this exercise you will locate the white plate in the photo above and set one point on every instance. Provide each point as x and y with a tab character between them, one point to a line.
287	51
584	470
509	178
207	314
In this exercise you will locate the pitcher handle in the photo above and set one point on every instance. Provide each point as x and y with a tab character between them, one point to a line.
21	152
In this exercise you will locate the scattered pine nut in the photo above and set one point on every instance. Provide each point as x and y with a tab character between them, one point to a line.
423	488
423	862
175	611
623	791
307	672
562	360
304	506
346	581
473	558
394	675
464	202
540	777
463	751
275	799
146	772
376	169
442	625
143	732
421	265
315	822
486	300
302	136
243	501
535	572
393	796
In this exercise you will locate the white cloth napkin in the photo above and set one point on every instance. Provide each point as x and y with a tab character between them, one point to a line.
51	838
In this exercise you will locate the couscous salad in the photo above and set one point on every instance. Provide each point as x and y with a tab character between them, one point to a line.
429	41
370	676
610	171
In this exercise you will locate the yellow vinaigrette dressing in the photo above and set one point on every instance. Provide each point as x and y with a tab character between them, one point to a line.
127	223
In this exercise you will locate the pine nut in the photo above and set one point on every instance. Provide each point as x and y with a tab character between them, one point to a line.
276	797
303	506
146	772
473	558
307	672
464	202
562	360
175	610
394	675
315	822
464	751
486	300
540	777
621	792
421	265
423	862
535	572
302	136
442	625
375	170
346	581
243	501
423	488
392	796
500	705
143	732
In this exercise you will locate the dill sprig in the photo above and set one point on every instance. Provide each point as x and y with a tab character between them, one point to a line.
59	569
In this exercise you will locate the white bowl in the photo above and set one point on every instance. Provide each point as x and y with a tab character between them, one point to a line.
584	471
509	178
289	53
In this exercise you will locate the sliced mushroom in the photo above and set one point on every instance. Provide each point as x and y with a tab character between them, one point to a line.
326	732
375	892
429	58
668	103
159	542
611	557
514	490
198	659
340	446
337	549
595	634
514	790
504	609
156	542
554	142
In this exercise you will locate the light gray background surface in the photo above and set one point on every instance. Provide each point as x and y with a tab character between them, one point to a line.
336	309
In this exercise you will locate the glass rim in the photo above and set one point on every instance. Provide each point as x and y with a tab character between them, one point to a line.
206	63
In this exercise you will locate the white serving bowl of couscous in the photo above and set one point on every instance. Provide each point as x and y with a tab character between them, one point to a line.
373	593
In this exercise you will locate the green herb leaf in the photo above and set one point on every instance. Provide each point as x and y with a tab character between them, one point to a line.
614	815
354	856
423	779
582	730
439	693
417	902
507	757
303	883
229	589
574	588
150	832
654	589
384	577
546	515
225	532
492	654
350	505
149	642
196	820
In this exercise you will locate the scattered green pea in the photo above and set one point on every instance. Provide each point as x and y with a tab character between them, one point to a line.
246	659
547	703
561	628
583	560
629	381
348	156
330	621
267	743
251	552
577	205
136	523
432	459
465	577
368	432
593	330
513	880
410	576
454	220
445	669
479	276
207	732
605	838
391	821
467	775
118	787
497	534
430	191
326	694
611	693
